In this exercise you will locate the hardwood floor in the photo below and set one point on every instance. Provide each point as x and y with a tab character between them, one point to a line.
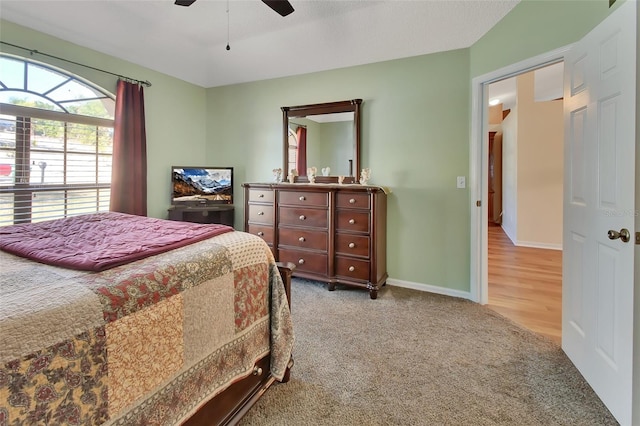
525	284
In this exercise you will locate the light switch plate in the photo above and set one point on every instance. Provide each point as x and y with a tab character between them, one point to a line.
461	182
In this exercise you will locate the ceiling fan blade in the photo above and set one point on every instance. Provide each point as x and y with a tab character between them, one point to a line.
283	7
184	2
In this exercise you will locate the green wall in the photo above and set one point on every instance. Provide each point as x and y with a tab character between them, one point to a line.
535	27
415	125
336	147
175	110
415	120
415	130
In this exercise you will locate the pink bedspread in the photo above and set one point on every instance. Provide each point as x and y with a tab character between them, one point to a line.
100	241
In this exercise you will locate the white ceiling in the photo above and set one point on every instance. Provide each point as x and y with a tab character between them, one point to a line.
189	42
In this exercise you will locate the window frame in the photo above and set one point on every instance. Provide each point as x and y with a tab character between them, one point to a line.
23	193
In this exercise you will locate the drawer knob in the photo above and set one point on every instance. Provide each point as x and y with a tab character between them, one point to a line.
352	245
260	233
260	213
301	262
301	239
302	198
352	268
257	371
261	196
352	221
302	217
352	201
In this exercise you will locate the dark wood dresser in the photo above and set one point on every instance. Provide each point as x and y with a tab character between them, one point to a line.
333	233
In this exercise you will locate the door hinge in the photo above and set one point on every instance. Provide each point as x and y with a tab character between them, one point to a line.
478	203
638	238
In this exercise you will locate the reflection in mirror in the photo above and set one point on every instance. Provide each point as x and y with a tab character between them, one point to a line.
326	136
329	143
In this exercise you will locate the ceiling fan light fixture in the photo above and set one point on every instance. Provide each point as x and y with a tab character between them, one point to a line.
228	47
282	7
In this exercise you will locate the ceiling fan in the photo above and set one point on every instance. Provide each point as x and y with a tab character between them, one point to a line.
283	7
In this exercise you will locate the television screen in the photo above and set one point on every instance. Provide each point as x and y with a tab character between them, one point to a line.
201	185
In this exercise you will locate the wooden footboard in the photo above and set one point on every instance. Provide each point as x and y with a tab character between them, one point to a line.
228	407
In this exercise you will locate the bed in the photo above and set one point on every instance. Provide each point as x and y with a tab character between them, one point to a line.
116	319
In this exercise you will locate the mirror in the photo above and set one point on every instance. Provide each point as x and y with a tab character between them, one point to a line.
322	135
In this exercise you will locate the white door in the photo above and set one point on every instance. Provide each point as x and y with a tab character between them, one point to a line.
597	297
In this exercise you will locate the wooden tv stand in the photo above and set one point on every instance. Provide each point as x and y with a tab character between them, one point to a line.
220	213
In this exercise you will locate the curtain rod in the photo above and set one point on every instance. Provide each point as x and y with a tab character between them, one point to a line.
33	51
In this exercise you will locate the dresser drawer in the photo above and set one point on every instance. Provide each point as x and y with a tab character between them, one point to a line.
352	200
305	261
352	268
352	245
260	214
262	231
351	220
331	233
316	240
299	198
317	218
260	196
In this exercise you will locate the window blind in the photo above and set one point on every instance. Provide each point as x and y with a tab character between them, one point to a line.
51	169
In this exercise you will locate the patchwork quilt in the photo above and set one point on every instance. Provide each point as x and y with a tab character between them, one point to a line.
146	343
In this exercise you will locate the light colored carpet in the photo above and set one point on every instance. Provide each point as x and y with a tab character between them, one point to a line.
415	358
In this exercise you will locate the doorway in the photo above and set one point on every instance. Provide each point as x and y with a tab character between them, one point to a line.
479	167
524	199
598	300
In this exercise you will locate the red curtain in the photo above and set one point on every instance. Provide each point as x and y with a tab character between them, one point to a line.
129	168
301	161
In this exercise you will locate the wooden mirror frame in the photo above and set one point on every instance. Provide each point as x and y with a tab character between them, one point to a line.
353	105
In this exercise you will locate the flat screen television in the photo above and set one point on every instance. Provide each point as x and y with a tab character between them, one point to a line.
201	186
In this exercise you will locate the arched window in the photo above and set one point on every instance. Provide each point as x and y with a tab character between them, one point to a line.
56	143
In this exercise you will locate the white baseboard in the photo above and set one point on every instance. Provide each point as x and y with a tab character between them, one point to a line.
429	288
534	244
509	234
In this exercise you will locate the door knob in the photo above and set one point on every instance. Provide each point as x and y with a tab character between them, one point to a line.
624	235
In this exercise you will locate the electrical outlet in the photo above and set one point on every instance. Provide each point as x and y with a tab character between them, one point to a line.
461	182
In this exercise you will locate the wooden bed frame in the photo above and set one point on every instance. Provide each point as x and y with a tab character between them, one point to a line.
228	407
